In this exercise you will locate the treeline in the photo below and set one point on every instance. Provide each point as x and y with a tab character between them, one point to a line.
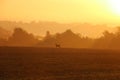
67	39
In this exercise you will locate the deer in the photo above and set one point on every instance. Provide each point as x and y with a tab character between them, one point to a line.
58	45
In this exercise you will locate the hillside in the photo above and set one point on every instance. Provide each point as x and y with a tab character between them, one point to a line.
4	34
40	28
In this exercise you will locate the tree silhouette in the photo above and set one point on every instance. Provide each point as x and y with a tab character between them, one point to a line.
21	38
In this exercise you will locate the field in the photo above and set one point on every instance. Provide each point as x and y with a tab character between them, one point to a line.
58	64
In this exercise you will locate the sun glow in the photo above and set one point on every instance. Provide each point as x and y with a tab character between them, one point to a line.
115	6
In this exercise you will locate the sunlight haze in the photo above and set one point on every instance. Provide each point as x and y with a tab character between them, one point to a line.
59	39
65	11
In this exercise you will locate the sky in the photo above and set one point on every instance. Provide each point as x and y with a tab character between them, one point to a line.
64	11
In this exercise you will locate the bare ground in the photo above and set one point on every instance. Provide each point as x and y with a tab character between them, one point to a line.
22	63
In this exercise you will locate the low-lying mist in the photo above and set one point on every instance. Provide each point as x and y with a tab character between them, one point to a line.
66	39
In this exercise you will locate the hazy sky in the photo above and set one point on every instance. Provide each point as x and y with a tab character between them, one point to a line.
95	11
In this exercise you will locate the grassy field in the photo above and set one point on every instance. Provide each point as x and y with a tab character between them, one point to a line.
58	64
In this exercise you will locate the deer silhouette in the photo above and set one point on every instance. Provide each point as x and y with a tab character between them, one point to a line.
58	45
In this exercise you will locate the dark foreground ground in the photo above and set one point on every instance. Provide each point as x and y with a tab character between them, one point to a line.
58	64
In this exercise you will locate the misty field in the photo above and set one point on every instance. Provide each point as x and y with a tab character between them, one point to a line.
58	64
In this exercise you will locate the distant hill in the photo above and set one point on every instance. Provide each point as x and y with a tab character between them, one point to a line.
40	28
4	34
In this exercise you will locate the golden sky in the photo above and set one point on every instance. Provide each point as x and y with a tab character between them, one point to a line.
92	11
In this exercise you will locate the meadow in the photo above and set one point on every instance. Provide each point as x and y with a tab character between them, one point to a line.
33	63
